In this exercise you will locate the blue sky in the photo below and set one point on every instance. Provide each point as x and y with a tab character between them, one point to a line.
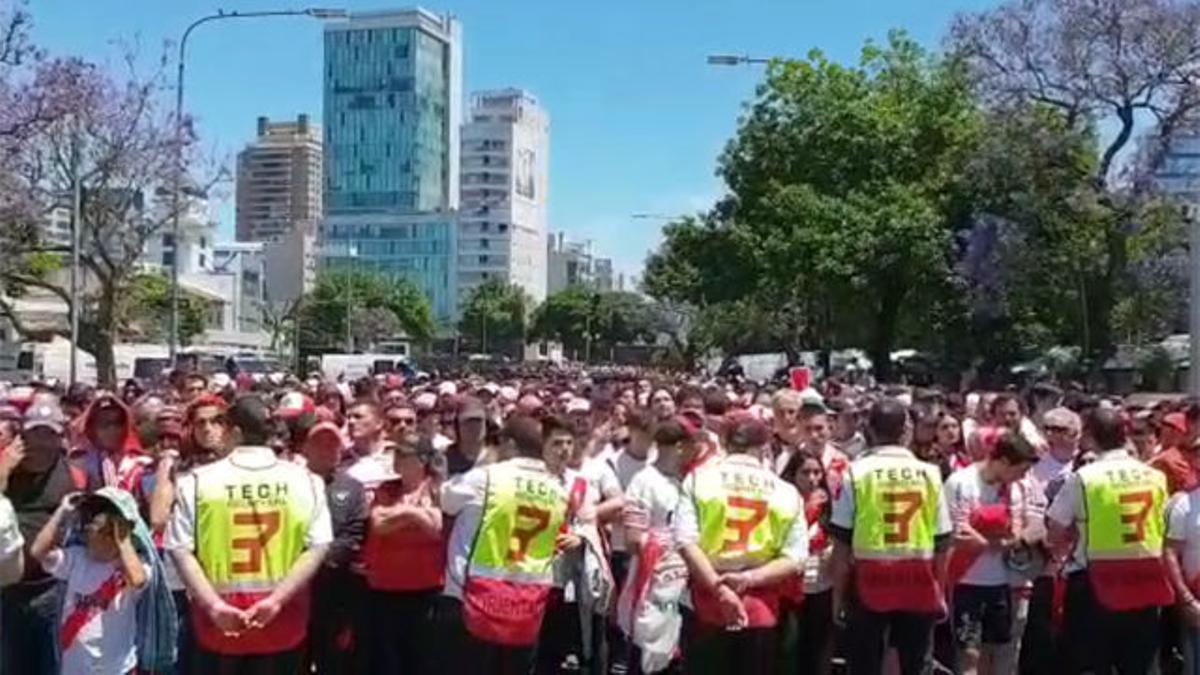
637	117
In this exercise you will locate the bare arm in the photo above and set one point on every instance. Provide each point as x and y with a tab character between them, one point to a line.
302	572
47	539
775	572
386	519
163	498
610	510
131	565
1172	555
699	568
193	577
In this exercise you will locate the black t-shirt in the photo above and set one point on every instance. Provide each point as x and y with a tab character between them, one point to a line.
35	497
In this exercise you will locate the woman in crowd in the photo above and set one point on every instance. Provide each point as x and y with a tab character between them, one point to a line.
406	559
806	635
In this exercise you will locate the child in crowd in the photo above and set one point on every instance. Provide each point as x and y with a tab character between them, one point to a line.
104	576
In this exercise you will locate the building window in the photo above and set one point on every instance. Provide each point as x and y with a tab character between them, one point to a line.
503	227
484	226
485	243
483	259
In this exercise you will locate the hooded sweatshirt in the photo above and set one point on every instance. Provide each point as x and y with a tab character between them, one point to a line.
120	467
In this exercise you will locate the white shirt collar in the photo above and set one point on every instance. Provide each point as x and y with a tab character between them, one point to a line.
253	457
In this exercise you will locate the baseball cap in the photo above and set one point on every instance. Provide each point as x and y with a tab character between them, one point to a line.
509	394
447	389
810	399
425	402
45	414
1176	421
294	404
579	405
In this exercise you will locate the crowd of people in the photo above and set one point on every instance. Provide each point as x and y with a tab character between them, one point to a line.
571	523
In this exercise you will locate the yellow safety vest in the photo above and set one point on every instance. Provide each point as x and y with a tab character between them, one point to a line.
744	512
1125	502
251	527
895	502
510	572
895	525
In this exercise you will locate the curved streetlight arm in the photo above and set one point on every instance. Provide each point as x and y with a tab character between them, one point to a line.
176	202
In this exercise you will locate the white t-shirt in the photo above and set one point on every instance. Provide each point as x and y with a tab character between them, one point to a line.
1183	525
651	500
625	466
964	492
11	541
107	643
371	471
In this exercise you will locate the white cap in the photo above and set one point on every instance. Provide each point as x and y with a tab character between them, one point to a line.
509	394
426	401
447	389
491	388
579	405
219	381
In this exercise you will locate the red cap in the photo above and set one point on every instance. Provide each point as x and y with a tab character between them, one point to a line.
1176	421
293	405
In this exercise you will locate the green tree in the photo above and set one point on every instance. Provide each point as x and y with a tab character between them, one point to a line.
144	312
1116	65
324	311
494	317
589	324
838	222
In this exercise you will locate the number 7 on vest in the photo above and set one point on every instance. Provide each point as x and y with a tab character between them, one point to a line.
909	504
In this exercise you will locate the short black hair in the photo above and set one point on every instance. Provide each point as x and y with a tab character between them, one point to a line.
526	434
251	416
1004	399
552	424
1106	427
886	421
688	393
715	403
1014	449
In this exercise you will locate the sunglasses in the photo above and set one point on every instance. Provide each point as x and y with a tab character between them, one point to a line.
1057	430
621	441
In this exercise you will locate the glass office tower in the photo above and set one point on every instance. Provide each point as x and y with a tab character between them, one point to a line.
393	102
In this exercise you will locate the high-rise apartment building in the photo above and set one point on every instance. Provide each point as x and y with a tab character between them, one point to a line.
569	263
505	180
279	180
392	118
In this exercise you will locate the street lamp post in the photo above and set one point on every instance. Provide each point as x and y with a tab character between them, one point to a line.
734	60
351	254
177	187
1190	217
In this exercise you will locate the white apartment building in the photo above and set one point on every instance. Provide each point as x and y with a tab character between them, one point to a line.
569	263
505	179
